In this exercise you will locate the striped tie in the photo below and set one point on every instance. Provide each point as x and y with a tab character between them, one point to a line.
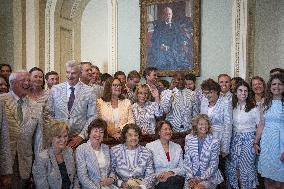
20	109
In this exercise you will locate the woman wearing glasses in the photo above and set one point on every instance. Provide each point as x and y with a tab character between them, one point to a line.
114	108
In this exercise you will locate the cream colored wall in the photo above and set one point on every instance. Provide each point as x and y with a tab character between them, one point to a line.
94	29
269	33
6	33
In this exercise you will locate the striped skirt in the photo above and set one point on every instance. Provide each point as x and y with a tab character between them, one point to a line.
242	158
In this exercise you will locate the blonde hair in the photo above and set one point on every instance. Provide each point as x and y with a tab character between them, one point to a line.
141	87
55	129
195	121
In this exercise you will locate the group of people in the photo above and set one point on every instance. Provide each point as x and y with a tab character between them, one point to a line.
54	138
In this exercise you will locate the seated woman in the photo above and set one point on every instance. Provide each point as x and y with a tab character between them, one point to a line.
168	158
201	156
93	159
55	166
114	109
145	111
132	163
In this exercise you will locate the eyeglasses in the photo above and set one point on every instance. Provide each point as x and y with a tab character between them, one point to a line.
116	85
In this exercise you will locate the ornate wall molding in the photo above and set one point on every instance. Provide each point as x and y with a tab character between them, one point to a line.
112	36
243	38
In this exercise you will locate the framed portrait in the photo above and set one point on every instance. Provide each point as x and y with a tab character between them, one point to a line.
170	36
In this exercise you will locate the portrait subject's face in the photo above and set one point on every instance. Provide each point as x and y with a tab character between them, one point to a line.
168	14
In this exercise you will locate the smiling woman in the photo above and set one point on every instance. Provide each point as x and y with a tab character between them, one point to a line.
114	108
168	158
93	159
132	163
55	166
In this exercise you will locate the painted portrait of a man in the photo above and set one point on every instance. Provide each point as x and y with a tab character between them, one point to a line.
170	40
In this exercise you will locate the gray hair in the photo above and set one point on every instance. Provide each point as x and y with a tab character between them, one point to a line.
73	64
13	76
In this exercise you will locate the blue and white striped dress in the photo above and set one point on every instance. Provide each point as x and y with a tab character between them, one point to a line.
242	155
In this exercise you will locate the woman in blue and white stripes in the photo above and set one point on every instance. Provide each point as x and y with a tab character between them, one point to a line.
201	156
145	111
241	165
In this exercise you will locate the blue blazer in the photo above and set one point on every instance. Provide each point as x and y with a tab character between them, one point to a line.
207	162
142	165
161	162
88	170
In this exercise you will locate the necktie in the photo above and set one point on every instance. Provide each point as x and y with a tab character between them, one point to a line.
20	109
71	98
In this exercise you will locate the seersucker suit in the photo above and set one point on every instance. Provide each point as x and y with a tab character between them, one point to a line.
82	113
46	171
5	151
141	168
22	134
88	169
207	162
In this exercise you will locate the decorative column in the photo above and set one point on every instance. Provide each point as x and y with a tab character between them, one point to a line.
239	52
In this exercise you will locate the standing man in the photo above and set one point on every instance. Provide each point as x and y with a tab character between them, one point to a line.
96	76
86	72
224	81
72	102
23	118
96	81
179	104
133	79
52	78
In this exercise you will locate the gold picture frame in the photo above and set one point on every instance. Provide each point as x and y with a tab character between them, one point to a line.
170	36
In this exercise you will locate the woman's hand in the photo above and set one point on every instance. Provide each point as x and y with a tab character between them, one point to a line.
193	182
162	177
124	185
256	148
106	181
